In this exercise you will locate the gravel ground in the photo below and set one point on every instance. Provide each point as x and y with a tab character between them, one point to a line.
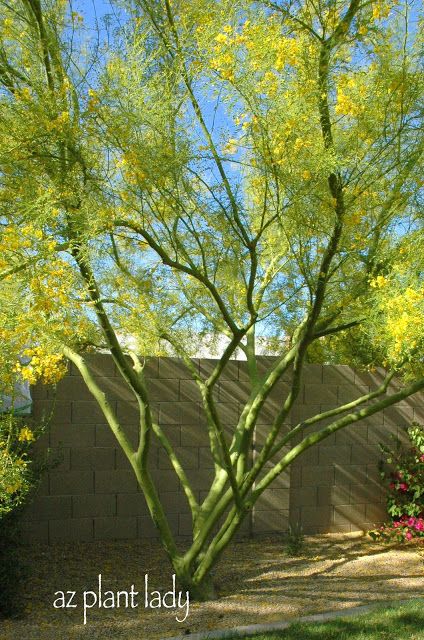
257	583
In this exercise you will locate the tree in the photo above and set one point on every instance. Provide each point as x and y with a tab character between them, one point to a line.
199	168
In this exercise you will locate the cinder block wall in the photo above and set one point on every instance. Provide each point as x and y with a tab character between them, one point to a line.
92	493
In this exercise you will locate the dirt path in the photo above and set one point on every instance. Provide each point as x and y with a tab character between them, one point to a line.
257	583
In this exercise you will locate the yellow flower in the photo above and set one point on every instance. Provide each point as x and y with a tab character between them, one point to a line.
221	38
378	282
26	435
11	488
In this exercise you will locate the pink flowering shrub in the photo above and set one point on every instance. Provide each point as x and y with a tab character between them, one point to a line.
404	477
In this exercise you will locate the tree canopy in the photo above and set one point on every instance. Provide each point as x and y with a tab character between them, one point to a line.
189	168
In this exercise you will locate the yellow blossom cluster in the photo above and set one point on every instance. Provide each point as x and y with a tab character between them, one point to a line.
346	105
287	51
405	320
401	314
131	169
46	367
26	435
378	282
60	123
224	58
381	8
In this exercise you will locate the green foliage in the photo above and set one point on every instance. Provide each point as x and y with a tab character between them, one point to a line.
12	570
404	477
137	218
18	473
294	543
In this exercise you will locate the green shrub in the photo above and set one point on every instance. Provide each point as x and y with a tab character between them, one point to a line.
404	478
20	474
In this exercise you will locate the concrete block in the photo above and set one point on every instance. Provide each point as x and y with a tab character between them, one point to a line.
179	413
174	502
205	458
187	456
309	456
273	498
200	479
353	434
334	495
381	434
339	528
101	364
338	454
131	504
349	392
280	392
338	374
398	416
88	411
71	482
228	412
175	368
269	412
300	412
59	458
127	412
189	391
93	458
48	507
347	474
368	494
166	480
320	394
72	387
104	436
282	481
71	530
318	516
373	474
233	390
151	367
115	528
163	389
312	373
191	413
270	521
116	389
185	524
53	412
317	475
34	532
373	378
295	477
146	528
230	371
69	435
365	454
117	481
375	513
195	435
310	529
94	505
304	496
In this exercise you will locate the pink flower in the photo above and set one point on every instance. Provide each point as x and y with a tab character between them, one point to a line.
403	486
408	535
